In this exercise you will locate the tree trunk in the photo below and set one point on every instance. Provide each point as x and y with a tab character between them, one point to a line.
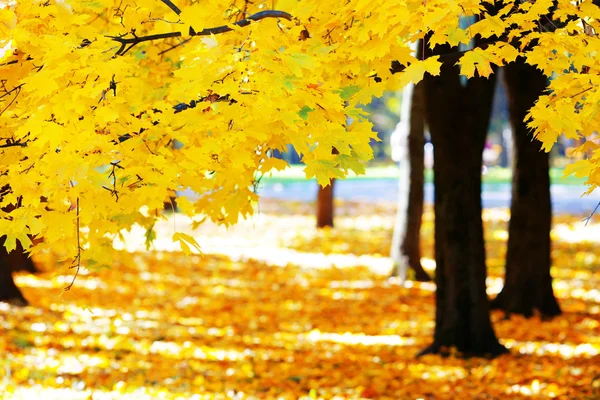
19	261
408	141
325	205
411	243
9	292
458	114
528	284
170	205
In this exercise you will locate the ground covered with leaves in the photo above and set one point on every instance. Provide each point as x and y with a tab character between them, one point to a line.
275	309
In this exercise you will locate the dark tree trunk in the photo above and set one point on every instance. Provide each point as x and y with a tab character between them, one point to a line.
458	114
9	292
411	243
19	261
528	284
325	205
170	205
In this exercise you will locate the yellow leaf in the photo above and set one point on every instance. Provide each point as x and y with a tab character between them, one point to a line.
186	241
415	71
273	163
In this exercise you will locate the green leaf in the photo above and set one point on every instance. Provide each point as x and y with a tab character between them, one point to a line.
303	113
349	91
150	236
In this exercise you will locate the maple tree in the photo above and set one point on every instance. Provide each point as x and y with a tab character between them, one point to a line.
528	283
95	92
458	136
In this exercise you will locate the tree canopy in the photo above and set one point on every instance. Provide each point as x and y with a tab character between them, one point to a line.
95	94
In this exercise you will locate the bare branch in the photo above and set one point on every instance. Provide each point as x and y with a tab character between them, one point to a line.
175	46
17	90
242	23
172	6
139	39
589	217
13	144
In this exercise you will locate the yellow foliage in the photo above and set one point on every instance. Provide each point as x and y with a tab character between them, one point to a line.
94	96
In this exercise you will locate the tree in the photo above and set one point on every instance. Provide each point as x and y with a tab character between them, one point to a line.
17	259
411	244
325	206
93	97
458	136
406	242
9	292
528	284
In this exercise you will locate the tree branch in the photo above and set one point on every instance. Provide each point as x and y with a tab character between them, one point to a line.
242	23
128	43
139	39
13	144
175	46
172	6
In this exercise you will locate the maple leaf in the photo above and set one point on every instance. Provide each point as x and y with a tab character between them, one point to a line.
185	241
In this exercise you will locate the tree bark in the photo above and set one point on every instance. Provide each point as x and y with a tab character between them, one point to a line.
170	205
325	206
408	142
411	243
20	262
458	114
9	292
528	284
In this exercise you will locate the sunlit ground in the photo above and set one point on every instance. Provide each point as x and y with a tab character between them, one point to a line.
277	310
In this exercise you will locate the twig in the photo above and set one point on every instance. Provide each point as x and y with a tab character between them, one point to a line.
13	144
131	42
582	92
175	46
113	175
77	260
172	6
589	217
16	89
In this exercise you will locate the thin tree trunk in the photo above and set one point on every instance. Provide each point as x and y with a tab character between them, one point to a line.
9	292
528	284
408	142
458	117
325	205
411	243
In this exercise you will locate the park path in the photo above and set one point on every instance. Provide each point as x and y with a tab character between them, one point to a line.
565	198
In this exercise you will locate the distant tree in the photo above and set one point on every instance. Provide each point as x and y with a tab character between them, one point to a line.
325	205
325	202
410	133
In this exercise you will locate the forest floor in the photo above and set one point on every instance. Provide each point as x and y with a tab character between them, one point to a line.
275	309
